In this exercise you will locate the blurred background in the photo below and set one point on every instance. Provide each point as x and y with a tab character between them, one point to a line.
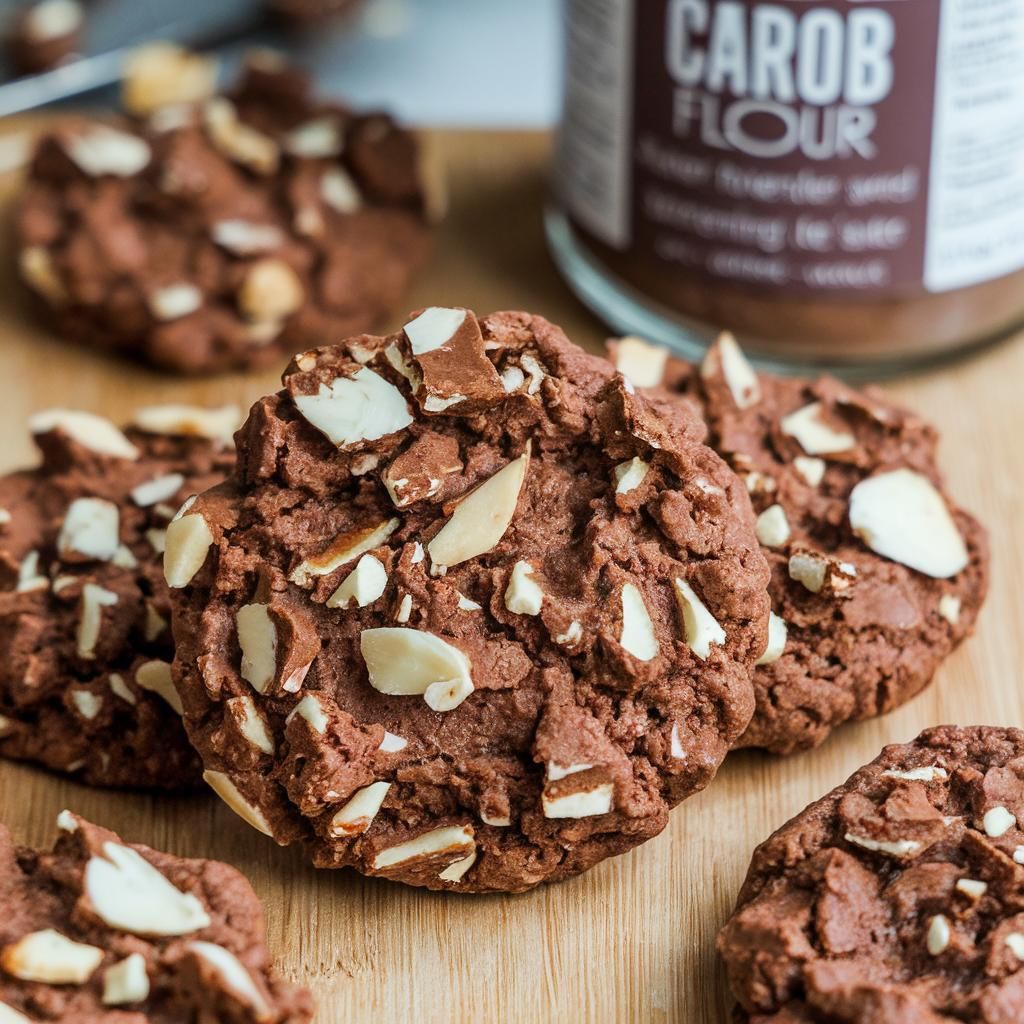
442	62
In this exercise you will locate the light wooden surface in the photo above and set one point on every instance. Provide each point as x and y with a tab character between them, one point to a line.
633	939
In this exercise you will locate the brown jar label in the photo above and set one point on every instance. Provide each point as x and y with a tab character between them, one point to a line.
842	147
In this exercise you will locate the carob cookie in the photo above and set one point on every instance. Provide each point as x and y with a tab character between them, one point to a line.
223	233
44	34
470	614
85	680
104	932
896	898
876	574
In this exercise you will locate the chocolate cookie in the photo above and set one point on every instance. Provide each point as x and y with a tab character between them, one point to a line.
897	897
85	681
211	235
103	932
470	614
876	574
44	34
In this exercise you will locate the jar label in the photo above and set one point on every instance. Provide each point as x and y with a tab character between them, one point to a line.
818	146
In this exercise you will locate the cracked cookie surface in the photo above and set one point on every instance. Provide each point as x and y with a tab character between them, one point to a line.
211	233
100	931
470	614
894	898
876	574
85	683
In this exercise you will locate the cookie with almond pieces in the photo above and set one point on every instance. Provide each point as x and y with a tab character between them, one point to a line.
470	614
85	682
100	931
894	898
877	574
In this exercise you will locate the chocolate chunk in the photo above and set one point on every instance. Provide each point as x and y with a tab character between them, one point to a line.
524	660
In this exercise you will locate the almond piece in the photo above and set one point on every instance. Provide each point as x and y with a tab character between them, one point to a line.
186	544
344	548
364	585
637	635
93	432
363	407
773	527
356	816
522	595
813	434
127	893
230	794
900	515
161	75
94	599
126	982
257	637
580	804
270	291
403	661
642	363
236	980
155	677
481	518
726	357
90	531
101	151
778	632
161	488
700	627
432	328
216	424
630	475
448	839
49	957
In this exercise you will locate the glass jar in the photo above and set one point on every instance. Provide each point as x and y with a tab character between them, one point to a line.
838	182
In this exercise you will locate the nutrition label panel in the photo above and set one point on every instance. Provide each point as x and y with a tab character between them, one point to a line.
594	139
976	193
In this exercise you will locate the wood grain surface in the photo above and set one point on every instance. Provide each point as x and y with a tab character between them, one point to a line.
633	939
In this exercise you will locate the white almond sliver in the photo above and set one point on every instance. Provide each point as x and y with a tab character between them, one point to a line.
403	661
814	435
257	637
900	515
126	982
94	599
364	585
433	328
92	432
356	816
127	893
217	423
898	848
51	958
700	627
231	795
187	542
637	634
91	528
440	840
161	488
155	676
343	549
642	363
363	407
727	356
482	517
630	475
778	633
583	804
523	596
773	527
236	979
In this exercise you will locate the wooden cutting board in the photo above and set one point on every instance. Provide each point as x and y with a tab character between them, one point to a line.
633	939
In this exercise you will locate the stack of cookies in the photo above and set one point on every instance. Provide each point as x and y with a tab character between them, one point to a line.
463	606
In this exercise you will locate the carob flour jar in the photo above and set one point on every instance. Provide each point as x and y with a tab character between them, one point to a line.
839	183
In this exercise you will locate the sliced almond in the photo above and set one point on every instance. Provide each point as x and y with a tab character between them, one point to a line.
127	981
235	978
186	544
402	661
94	599
523	596
363	407
155	677
257	637
174	301
36	266
811	469
339	191
356	816
127	893
637	635
700	627
778	633
270	291
482	517
433	328
344	548
92	432
448	839
29	577
51	958
949	608
727	358
311	710
773	527
238	141
902	516
581	804
217	423
251	724
102	150
814	435
161	75
90	531
87	704
316	139
247	238
230	794
640	361
160	488
630	475
364	585
456	871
